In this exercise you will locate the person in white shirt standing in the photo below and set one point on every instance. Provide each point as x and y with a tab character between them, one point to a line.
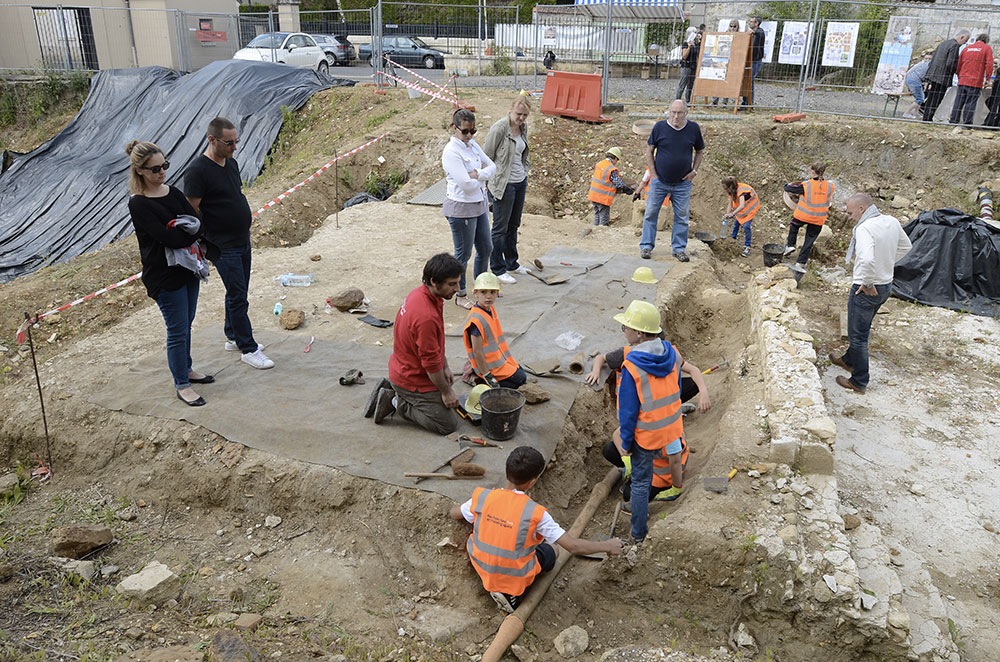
877	244
467	169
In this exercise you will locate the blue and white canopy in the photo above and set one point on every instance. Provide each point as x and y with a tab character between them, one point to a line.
640	10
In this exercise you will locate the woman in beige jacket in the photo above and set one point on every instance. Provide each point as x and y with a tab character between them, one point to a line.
507	145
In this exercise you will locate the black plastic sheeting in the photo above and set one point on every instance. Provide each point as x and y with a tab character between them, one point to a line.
954	263
70	195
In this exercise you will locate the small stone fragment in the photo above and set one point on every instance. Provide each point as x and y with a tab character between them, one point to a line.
522	653
572	641
352	297
831	582
316	258
248	622
534	394
868	601
851	522
75	542
292	319
989	527
917	489
155	583
271	521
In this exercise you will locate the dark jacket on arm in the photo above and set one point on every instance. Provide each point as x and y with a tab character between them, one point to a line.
944	64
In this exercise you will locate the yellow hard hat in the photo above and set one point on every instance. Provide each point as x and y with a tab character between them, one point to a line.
644	275
641	316
615	152
486	281
472	402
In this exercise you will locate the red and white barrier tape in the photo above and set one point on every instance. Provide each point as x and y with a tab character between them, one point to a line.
444	91
433	95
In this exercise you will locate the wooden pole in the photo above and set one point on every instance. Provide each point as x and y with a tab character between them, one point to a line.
512	626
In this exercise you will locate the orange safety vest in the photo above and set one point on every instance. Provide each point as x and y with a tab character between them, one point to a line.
645	189
814	205
495	350
751	210
503	539
661	467
660	421
601	190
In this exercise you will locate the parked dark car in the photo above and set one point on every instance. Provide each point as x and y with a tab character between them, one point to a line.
408	51
338	49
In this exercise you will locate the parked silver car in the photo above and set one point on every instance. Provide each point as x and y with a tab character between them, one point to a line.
339	51
295	48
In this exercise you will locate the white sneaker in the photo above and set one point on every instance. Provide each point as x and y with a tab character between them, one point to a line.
506	278
257	360
788	251
523	270
231	346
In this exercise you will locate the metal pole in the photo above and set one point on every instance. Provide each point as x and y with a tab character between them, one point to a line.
534	55
41	400
270	29
517	40
802	67
65	33
479	30
607	56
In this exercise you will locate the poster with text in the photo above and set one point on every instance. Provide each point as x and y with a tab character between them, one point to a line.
890	77
796	38
770	29
715	56
841	42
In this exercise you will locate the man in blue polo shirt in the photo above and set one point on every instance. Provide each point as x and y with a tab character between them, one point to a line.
668	157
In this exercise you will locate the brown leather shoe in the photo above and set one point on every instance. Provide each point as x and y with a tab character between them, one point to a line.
839	362
848	384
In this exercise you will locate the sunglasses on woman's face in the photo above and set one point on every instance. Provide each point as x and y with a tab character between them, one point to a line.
467	132
157	168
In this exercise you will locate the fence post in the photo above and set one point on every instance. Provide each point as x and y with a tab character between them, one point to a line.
65	34
607	56
517	40
270	29
534	52
479	32
805	61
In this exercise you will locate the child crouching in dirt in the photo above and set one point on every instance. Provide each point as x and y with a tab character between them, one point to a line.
605	184
743	206
512	536
485	344
650	425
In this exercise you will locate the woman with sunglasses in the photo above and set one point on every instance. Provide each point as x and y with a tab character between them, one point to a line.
155	208
467	169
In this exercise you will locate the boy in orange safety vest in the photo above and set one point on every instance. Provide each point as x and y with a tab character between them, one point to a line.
743	206
605	184
512	536
815	196
650	436
485	344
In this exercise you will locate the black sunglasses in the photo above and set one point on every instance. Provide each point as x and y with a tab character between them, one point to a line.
467	132
157	168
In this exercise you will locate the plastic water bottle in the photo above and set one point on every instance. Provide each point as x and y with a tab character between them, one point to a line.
277	308
296	280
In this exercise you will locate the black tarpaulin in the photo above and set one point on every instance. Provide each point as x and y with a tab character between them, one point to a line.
954	263
70	195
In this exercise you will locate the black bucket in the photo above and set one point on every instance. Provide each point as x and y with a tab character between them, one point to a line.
706	237
773	254
501	412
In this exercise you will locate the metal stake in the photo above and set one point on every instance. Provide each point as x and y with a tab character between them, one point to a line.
41	400
336	184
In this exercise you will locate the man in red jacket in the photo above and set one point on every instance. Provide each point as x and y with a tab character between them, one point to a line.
419	387
975	64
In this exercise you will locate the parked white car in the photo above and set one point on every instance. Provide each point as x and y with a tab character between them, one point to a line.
295	48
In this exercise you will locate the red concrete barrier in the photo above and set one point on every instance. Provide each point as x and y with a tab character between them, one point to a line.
569	94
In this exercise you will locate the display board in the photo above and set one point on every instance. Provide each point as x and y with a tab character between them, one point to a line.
890	77
770	29
723	66
841	42
796	37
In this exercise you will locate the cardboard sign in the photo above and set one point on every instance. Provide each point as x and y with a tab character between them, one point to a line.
723	66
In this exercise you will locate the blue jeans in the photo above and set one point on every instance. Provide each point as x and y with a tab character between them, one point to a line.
754	70
233	266
747	232
178	308
469	232
506	222
861	310
642	483
680	200
917	87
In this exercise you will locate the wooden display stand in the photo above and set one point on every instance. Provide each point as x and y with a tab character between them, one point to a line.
738	79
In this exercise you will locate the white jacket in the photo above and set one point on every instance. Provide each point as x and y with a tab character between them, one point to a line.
878	243
459	159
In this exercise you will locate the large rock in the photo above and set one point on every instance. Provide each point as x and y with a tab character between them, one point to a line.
572	641
292	319
228	646
8	483
154	584
533	393
823	427
75	542
352	297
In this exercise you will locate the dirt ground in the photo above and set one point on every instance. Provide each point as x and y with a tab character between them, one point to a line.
376	572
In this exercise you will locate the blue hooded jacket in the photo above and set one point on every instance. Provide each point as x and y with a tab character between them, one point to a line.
655	357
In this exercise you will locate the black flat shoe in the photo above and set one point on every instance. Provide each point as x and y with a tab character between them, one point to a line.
207	379
200	402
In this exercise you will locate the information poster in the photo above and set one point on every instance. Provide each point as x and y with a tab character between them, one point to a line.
841	42
770	29
715	51
795	41
890	77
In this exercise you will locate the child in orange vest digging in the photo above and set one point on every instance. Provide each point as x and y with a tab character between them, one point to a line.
512	536
605	184
815	196
743	206
485	344
650	436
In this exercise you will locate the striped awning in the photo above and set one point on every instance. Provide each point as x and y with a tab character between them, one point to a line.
624	10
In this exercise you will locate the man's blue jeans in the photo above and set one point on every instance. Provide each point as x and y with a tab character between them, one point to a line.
754	70
233	266
861	310
506	223
642	483
680	201
178	308
469	232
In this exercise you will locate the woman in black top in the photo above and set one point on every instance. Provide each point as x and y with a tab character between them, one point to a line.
174	288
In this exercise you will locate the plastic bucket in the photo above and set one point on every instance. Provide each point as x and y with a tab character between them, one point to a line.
772	254
501	412
706	237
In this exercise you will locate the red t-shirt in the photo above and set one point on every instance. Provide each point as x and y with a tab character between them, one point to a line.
975	64
418	341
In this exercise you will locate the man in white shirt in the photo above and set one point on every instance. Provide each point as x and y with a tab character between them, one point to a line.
877	243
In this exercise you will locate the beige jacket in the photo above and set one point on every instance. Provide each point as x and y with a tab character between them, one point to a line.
499	146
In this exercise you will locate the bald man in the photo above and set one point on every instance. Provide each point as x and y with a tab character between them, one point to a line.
877	244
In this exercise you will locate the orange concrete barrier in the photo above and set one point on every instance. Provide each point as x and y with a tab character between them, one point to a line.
569	94
789	117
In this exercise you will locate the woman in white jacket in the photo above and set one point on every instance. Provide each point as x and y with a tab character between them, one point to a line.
467	169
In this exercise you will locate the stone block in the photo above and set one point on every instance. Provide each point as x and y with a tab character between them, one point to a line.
823	427
154	584
784	450
248	622
75	542
816	458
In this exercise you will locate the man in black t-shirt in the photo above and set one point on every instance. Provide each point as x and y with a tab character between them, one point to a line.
689	63
213	186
